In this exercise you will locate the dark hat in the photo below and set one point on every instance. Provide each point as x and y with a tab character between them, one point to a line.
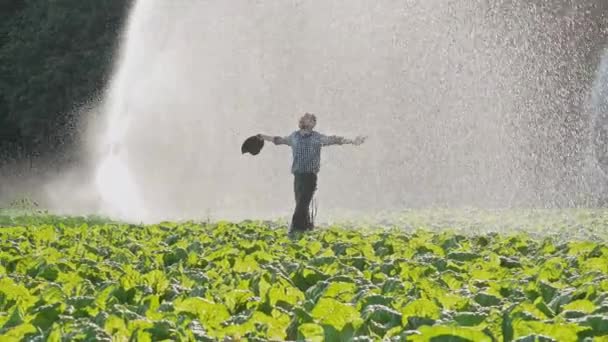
252	145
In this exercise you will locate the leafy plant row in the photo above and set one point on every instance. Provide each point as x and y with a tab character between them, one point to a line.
202	282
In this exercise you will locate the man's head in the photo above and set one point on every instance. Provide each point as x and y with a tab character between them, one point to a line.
308	121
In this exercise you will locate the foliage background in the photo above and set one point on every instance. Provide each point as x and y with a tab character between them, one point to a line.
55	57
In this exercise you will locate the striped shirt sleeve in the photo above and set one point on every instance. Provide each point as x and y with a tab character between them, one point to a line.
331	140
283	140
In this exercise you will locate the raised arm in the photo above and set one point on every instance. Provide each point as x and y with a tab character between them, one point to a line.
277	140
336	140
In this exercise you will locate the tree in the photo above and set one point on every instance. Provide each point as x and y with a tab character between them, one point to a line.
54	56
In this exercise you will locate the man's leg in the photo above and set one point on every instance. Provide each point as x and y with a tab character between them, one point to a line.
308	190
304	187
297	220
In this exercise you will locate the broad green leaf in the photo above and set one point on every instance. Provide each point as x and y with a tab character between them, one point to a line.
18	333
120	294
14	319
175	256
117	327
598	324
245	264
414	272
308	276
152	303
271	326
285	293
48	272
469	319
561	332
46	315
423	308
334	313
157	280
544	308
238	300
311	332
580	247
446	333
595	264
548	291
162	330
54	334
341	291
314	247
373	299
453	302
52	294
451	280
104	295
552	269
208	313
463	256
141	336
486	300
263	257
16	292
380	319
528	309
509	262
222	253
582	305
138	329
559	301
44	234
80	302
130	278
572	314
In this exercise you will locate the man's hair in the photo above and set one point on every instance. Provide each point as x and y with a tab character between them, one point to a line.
311	116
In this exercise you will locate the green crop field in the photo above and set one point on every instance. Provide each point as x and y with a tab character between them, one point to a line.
432	275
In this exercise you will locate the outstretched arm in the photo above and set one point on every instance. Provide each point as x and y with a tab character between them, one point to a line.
276	139
336	140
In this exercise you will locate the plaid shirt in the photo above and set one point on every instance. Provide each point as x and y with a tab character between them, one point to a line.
306	149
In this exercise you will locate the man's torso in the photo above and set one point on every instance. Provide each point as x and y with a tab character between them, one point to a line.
306	150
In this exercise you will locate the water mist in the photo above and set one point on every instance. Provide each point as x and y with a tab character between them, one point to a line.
437	86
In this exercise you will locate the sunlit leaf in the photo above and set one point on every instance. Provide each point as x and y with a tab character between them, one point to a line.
423	308
311	332
211	314
561	332
334	313
18	333
582	305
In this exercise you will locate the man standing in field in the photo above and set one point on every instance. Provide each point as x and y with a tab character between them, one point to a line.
306	150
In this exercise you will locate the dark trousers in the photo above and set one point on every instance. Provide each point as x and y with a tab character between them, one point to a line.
304	187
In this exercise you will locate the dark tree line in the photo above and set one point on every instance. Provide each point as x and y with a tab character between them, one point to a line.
55	55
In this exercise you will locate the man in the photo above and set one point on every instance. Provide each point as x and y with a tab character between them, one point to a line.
306	150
